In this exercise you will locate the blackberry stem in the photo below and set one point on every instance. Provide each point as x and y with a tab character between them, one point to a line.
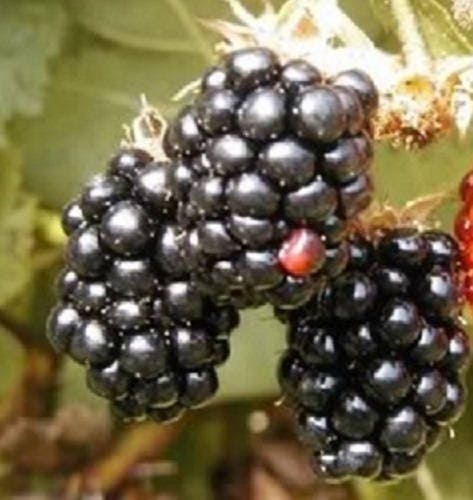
413	45
330	12
426	483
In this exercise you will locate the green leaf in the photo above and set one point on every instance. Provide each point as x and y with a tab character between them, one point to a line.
441	32
30	34
16	243
256	348
124	22
404	175
382	12
166	25
466	31
375	20
93	92
17	215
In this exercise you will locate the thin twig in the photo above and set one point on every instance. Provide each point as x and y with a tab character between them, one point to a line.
137	442
427	485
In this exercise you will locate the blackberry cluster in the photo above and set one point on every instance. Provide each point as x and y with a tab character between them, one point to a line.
264	169
272	158
129	307
373	367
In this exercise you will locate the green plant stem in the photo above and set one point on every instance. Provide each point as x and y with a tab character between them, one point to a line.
414	48
426	483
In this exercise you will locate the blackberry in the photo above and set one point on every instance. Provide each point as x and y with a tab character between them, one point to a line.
100	193
248	69
361	83
72	217
130	308
126	229
261	117
248	204
272	149
85	253
374	362
288	163
154	187
298	74
317	115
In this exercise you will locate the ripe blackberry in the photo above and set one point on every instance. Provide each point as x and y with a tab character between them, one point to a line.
374	362
130	309
273	150
263	170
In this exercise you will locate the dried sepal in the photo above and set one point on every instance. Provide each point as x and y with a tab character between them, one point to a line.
147	131
422	97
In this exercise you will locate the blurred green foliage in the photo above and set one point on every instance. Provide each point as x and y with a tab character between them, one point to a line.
71	74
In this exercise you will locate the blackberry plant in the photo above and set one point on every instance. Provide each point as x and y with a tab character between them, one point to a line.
374	362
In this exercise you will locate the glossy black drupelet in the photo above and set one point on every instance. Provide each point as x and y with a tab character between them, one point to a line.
271	148
130	309
374	362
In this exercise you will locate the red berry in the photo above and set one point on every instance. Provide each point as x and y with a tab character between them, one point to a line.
464	225
468	289
467	257
466	188
301	253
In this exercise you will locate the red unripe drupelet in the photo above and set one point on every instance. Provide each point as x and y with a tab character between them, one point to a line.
467	258
466	188
467	289
464	225
302	253
464	233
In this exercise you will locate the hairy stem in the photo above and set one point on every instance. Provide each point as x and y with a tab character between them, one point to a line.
336	20
413	45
